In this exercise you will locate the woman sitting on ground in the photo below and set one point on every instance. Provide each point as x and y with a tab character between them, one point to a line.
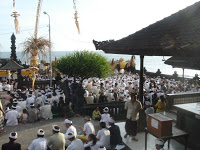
96	115
91	143
160	105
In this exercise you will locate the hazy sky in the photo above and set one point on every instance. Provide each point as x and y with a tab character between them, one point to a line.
98	19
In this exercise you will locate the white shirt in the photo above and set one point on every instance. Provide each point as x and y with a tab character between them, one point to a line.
11	117
39	101
104	138
88	128
105	118
29	100
76	145
69	130
92	147
38	144
46	112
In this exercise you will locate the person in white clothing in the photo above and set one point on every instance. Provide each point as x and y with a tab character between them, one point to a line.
88	127
29	100
76	144
159	144
103	136
70	129
40	143
149	109
105	117
39	100
46	112
12	117
91	143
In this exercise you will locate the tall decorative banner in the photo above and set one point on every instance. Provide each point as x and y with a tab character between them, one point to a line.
76	17
16	22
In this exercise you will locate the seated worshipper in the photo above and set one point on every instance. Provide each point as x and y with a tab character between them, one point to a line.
12	117
46	111
39	101
159	144
29	100
70	129
105	116
103	136
40	143
55	97
66	110
9	105
149	109
24	116
87	129
96	115
115	136
91	143
11	145
76	144
55	109
18	107
57	140
160	105
90	99
32	113
7	98
110	96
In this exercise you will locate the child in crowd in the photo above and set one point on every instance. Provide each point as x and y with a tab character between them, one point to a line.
24	117
160	105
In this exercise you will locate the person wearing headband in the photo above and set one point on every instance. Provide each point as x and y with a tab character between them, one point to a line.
57	140
159	144
33	113
70	129
105	116
87	129
40	143
115	135
76	144
12	117
12	145
103	136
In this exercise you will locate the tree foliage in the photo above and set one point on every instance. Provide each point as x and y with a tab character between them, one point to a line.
83	64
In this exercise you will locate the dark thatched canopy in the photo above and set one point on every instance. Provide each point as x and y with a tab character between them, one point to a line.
176	35
184	62
11	65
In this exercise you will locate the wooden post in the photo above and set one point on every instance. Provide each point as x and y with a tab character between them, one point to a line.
141	78
183	75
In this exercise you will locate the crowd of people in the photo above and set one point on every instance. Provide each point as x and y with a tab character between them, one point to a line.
28	106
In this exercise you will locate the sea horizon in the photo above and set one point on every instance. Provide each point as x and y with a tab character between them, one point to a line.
151	63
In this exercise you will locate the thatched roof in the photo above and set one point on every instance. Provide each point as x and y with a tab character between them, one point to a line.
11	65
176	35
184	62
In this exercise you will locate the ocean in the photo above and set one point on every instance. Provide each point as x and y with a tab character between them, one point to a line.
151	63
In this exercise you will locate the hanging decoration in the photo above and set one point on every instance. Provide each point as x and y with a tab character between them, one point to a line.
16	22
76	17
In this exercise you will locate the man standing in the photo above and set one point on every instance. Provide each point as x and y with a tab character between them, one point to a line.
12	117
70	129
40	143
115	136
133	107
76	144
57	140
11	145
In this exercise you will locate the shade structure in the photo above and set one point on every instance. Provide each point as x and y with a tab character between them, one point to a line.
11	65
176	35
184	62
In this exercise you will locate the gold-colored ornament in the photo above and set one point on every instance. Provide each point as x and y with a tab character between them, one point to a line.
16	22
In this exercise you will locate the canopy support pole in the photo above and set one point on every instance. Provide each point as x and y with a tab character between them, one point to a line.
183	75
141	78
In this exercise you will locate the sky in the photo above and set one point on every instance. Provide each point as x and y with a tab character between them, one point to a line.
98	19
